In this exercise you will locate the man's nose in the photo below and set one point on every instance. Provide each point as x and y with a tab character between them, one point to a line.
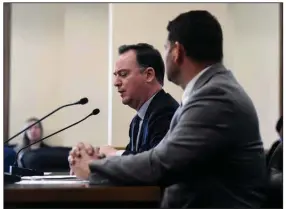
117	82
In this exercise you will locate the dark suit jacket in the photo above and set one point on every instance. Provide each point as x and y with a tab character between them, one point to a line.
9	157
212	156
275	172
156	122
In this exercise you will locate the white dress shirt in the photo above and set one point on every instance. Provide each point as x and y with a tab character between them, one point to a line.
190	86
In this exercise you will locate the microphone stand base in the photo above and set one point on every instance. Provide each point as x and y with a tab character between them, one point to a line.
11	179
14	170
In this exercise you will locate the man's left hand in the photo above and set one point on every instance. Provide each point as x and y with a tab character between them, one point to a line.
81	165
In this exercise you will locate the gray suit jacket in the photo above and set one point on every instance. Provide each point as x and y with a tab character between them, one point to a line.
212	155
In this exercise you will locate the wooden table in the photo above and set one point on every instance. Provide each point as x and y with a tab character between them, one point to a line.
79	196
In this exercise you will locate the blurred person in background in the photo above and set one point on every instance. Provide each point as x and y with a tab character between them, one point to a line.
31	135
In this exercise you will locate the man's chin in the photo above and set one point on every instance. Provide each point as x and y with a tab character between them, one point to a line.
173	79
125	101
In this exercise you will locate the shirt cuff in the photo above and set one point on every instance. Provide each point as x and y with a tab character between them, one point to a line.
119	152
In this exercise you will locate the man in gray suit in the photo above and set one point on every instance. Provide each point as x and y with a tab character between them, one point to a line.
212	155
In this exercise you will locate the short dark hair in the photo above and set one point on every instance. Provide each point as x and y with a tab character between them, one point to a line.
147	56
200	33
279	124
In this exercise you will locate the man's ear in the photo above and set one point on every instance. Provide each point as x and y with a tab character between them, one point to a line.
178	53
150	74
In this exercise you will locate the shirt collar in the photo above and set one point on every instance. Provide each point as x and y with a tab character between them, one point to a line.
190	85
143	109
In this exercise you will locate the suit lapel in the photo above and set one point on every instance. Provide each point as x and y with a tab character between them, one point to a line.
144	128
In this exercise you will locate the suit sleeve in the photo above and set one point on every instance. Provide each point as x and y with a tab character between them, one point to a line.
199	134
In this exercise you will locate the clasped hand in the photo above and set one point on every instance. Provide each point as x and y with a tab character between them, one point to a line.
81	155
79	158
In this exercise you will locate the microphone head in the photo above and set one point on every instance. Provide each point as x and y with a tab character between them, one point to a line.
95	111
83	101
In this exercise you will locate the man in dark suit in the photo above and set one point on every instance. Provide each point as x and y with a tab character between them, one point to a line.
212	155
274	159
139	78
9	157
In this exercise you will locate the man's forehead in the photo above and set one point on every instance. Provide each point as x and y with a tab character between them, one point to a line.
128	56
126	61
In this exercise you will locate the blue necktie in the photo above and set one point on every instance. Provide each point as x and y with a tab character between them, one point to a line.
135	130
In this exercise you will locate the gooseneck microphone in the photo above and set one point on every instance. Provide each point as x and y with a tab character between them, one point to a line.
82	101
14	170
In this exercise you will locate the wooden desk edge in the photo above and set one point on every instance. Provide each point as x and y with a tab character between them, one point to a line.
77	194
